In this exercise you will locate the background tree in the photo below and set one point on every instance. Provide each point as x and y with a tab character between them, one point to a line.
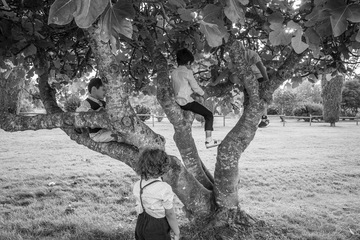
285	100
131	46
331	94
309	92
351	97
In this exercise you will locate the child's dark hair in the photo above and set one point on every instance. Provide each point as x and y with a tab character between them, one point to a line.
152	163
95	82
184	56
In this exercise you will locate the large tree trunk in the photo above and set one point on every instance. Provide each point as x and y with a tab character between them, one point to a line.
11	84
331	94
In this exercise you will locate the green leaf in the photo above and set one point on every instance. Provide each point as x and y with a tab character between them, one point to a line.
88	11
124	27
212	26
276	17
312	78
312	36
280	37
57	63
178	3
341	14
353	14
114	20
198	42
234	12
324	29
318	14
357	38
17	34
214	35
291	25
123	9
313	39
104	24
31	50
211	13
186	14
298	45
339	23
276	26
61	12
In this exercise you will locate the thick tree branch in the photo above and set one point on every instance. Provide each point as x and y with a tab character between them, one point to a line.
238	139
121	115
12	123
47	94
181	120
198	200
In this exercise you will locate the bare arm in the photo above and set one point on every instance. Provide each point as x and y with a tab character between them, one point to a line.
262	69
171	217
84	107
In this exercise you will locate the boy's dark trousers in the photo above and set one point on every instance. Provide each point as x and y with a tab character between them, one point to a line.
197	108
150	228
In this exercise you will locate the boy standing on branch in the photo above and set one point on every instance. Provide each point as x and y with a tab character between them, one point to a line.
186	88
252	59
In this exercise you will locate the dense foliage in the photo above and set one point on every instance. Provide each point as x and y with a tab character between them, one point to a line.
351	97
309	109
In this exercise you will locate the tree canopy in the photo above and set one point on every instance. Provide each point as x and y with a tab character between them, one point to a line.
131	44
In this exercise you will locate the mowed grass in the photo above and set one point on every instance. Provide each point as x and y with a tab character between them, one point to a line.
304	181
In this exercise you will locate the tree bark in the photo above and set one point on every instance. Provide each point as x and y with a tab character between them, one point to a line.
238	139
10	90
123	118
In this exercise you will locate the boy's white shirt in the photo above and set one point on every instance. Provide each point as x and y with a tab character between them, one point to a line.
184	84
85	105
156	197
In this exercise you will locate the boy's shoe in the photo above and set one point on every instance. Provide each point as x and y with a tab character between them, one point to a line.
212	143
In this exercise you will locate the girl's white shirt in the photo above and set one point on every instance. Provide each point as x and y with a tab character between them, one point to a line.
156	197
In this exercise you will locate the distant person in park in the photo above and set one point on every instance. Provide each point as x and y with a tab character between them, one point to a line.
264	122
252	59
95	102
186	89
154	198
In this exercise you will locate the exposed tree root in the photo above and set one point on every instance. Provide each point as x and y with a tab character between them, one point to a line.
230	224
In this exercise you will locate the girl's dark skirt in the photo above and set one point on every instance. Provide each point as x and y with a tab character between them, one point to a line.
150	228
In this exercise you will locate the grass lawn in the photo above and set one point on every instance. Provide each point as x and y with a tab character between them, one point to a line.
302	180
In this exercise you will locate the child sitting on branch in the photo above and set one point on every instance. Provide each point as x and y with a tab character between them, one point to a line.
95	102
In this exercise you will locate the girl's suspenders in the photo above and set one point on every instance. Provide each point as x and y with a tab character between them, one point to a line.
141	192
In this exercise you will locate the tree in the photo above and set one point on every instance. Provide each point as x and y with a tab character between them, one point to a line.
351	96
309	92
130	43
285	100
331	94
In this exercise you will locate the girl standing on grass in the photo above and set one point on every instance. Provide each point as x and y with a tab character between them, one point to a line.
154	198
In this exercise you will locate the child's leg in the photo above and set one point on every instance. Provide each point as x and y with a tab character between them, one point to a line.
103	135
197	108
